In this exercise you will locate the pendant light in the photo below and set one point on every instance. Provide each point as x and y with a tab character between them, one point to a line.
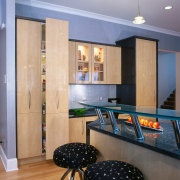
139	19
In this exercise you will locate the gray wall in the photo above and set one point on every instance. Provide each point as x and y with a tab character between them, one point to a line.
83	28
166	75
90	93
7	80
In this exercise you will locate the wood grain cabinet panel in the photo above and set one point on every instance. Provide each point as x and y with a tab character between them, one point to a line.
76	130
98	64
57	80
72	62
113	65
146	73
57	132
83	63
57	66
29	135
28	66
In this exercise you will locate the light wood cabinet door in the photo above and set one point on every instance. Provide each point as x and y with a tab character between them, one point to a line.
113	65
146	73
72	62
28	66
76	130
57	66
29	143
57	132
83	63
98	58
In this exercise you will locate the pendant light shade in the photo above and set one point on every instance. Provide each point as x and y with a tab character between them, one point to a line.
139	19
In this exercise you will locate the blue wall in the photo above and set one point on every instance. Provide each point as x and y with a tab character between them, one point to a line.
7	81
166	75
83	28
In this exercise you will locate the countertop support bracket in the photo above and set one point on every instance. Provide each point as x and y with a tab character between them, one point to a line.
176	125
113	121
137	127
100	116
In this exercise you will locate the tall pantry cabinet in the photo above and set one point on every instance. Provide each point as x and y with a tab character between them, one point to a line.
139	71
29	87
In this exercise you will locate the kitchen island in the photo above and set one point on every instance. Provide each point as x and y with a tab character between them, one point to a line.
157	154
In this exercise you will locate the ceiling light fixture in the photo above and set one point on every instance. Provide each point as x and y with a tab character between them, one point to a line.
139	19
168	7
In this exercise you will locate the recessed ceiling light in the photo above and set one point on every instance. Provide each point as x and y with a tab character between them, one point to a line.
168	7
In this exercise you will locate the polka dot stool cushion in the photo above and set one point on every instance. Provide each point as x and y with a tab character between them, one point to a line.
75	155
110	170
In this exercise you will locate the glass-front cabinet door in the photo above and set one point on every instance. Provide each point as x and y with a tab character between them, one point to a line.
98	64
83	63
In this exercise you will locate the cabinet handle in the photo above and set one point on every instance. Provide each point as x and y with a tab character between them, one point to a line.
58	97
82	126
29	99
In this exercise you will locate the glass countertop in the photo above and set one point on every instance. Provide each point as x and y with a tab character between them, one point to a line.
134	110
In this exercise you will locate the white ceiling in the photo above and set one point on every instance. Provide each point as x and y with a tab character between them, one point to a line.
152	10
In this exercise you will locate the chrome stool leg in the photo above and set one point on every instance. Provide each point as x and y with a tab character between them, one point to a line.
73	174
81	173
65	174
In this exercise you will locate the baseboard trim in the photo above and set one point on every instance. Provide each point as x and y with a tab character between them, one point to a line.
9	164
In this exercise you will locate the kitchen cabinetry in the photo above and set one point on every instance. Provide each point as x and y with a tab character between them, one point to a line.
72	62
57	76
113	65
77	128
139	71
83	63
28	89
42	86
98	64
94	63
146	75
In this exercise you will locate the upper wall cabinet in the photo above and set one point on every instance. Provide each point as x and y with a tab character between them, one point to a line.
98	64
83	63
94	63
113	65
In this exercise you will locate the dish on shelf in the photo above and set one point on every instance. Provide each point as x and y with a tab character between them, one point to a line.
160	129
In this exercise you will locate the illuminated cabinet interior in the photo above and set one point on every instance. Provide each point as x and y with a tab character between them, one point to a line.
94	63
99	64
83	62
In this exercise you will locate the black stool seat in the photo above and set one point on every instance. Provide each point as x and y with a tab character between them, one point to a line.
74	155
110	170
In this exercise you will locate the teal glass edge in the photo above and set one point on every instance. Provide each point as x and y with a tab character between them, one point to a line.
134	110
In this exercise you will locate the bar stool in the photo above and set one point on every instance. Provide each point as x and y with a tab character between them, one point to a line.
74	156
112	170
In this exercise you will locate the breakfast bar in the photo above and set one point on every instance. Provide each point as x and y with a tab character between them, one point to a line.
155	152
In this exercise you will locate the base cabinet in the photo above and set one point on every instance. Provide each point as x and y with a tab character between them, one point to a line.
56	133
77	128
29	135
